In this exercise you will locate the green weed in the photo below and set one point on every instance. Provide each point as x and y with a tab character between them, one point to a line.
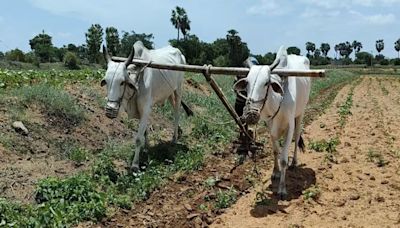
376	157
312	193
225	198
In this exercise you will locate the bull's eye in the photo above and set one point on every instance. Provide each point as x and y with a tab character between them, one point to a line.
122	83
131	86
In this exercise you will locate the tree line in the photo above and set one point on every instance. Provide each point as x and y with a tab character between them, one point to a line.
230	50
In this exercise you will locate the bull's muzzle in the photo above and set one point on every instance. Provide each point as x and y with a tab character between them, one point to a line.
251	115
112	109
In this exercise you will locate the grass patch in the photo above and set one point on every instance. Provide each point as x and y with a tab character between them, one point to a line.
53	102
344	109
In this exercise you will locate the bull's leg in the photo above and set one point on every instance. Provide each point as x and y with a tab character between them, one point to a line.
177	101
140	138
297	134
275	148
282	193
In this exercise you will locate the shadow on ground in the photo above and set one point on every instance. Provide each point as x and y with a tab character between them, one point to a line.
297	180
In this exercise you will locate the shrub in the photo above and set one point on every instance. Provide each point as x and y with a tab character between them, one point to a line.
71	61
53	101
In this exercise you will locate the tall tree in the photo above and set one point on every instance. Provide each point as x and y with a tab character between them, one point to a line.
310	47
180	20
128	39
336	50
42	46
357	46
397	47
293	50
112	40
317	53
379	45
238	50
94	38
325	47
345	49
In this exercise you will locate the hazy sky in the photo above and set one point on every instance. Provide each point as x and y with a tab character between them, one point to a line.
263	24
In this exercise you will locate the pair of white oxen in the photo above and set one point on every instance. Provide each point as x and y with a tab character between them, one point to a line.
280	102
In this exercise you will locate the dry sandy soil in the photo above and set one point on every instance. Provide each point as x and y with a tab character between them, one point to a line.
356	189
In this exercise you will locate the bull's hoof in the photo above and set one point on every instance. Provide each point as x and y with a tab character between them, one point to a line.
135	169
276	175
293	165
282	196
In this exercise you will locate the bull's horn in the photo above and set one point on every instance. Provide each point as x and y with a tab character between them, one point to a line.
107	56
130	57
274	64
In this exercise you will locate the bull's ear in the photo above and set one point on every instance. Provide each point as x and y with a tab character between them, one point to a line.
277	87
240	85
103	82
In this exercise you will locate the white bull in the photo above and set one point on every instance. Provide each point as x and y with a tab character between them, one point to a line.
280	102
137	89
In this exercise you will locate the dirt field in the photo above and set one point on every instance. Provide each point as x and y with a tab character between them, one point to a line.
359	187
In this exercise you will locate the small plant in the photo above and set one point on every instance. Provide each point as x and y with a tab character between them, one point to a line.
71	61
344	109
312	193
78	155
211	181
224	199
203	207
325	146
377	158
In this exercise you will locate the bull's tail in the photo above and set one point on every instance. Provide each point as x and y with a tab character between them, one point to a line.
188	111
301	144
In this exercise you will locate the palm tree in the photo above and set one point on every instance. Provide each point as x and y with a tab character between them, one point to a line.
337	47
180	21
397	47
325	47
310	47
379	45
357	47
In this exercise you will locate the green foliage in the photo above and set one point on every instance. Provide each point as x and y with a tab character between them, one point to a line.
225	198
310	47
78	155
71	61
53	101
15	55
325	47
42	46
94	38
180	21
324	145
344	109
112	41
363	58
293	50
345	49
19	78
312	193
238	50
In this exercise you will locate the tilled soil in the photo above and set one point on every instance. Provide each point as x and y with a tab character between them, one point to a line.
359	184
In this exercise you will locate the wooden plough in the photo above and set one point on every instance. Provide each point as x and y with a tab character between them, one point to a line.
208	70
